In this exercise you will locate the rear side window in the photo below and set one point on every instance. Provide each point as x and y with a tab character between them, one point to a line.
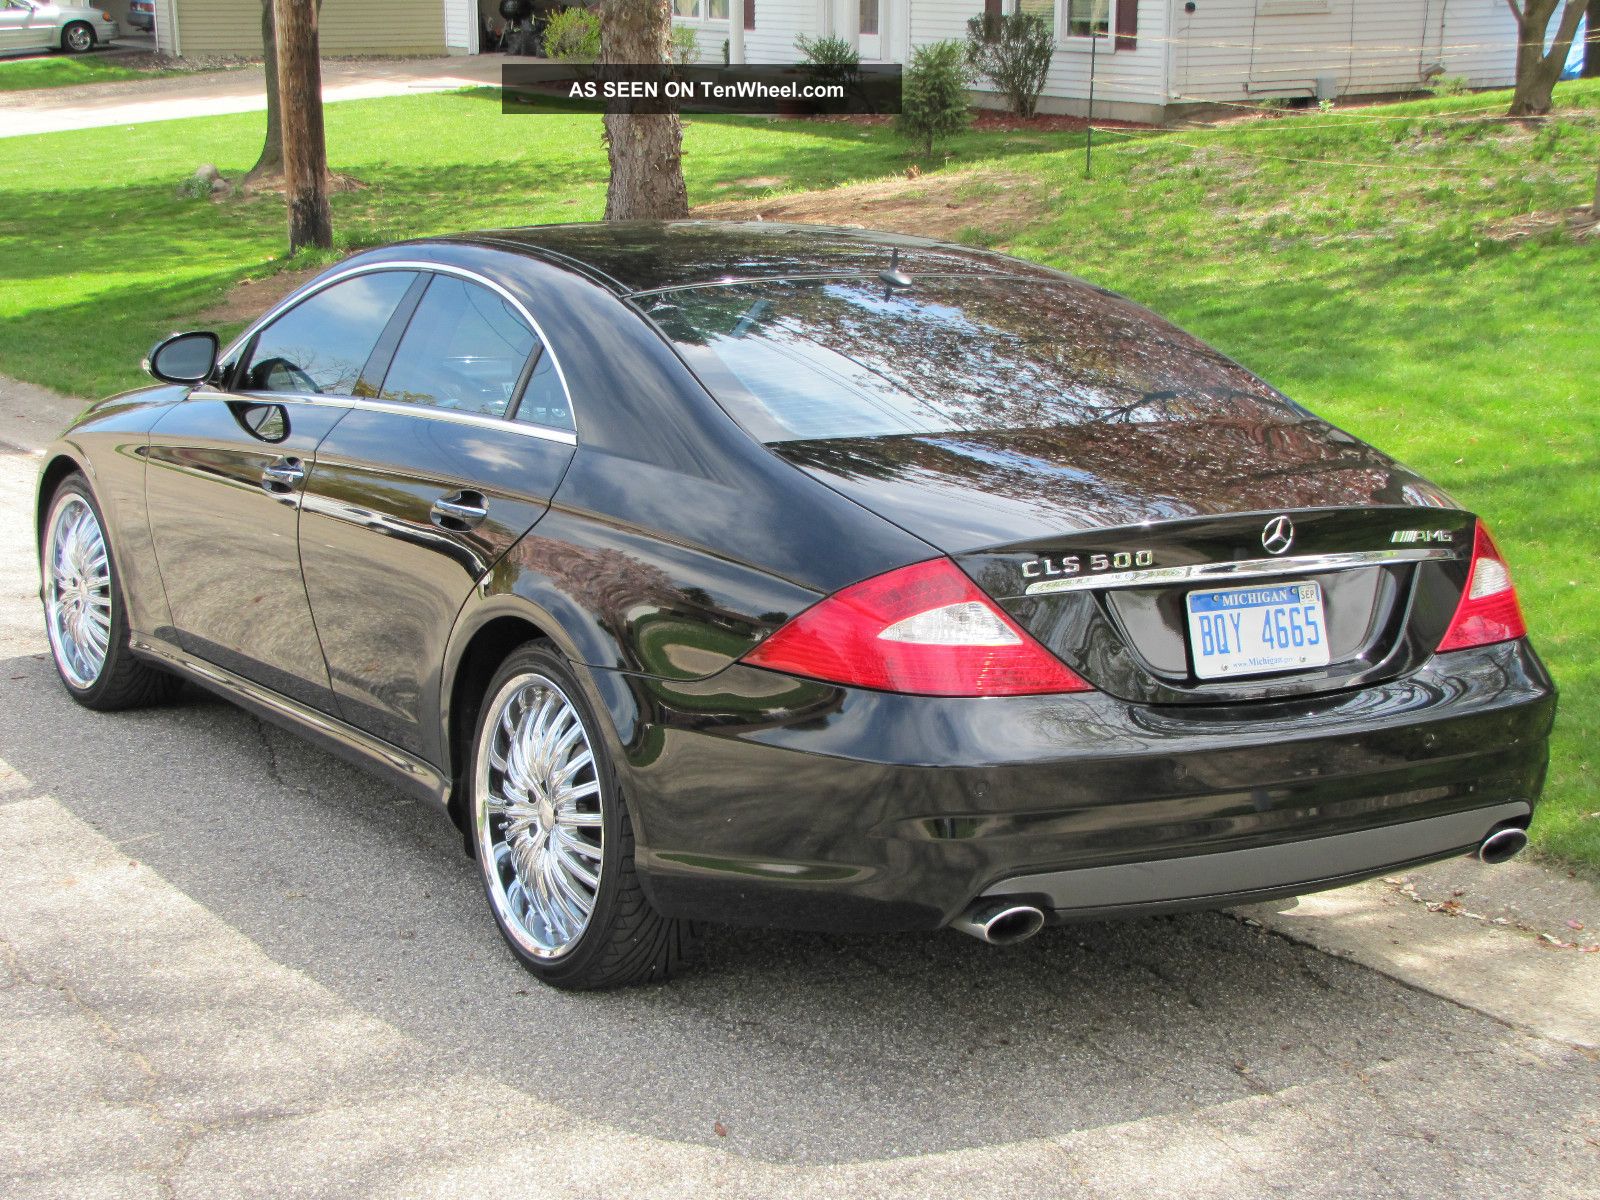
320	345
465	349
799	360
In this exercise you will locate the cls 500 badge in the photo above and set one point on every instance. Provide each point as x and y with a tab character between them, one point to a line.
1077	564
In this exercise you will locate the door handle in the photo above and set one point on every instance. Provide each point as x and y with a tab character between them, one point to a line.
282	475
459	511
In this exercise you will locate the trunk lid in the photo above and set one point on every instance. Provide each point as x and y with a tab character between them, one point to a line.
1094	537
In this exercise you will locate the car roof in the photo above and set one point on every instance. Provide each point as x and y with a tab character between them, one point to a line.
642	256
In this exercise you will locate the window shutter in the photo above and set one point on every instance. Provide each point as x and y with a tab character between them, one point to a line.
1127	24
749	14
991	8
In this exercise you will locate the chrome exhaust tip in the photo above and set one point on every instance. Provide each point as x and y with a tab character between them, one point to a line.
1000	922
1502	846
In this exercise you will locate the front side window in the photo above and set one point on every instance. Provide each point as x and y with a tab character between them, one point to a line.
464	349
805	359
1089	18
320	345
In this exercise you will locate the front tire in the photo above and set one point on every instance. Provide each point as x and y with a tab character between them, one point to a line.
77	38
552	836
85	616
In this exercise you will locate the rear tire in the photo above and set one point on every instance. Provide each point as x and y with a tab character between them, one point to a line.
552	837
85	615
78	38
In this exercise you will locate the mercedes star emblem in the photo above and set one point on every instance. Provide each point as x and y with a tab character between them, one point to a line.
1278	536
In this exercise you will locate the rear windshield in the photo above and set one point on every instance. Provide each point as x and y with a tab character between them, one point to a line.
797	360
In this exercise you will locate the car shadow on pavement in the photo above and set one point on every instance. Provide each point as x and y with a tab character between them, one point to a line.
806	1048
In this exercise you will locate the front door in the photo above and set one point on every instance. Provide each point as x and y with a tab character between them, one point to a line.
872	32
227	470
419	491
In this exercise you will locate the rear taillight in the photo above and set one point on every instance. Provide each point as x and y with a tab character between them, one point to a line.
925	629
1488	611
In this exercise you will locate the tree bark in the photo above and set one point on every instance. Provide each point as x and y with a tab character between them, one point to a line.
646	150
1538	70
305	151
1591	44
270	164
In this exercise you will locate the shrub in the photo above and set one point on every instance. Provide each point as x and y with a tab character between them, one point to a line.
1013	52
831	59
934	94
1449	85
573	35
685	47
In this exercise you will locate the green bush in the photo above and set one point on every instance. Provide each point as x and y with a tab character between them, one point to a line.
685	48
1013	52
934	94
831	59
573	35
1449	85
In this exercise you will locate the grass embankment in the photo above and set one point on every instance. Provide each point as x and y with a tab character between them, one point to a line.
56	72
1389	267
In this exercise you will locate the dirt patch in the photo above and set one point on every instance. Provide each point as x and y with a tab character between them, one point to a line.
939	206
249	298
1580	222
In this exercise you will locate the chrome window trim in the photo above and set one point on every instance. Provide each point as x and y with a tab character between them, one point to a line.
1239	569
548	432
544	433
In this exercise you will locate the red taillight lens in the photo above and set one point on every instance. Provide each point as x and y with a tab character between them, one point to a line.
925	629
1488	611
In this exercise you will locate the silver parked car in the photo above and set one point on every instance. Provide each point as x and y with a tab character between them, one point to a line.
35	25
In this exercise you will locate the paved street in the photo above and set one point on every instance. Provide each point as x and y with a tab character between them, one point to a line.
242	89
232	966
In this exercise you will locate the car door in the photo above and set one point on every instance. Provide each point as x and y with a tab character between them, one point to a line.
225	480
418	492
16	18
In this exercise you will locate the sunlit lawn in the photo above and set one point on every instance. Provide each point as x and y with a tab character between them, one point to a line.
58	70
1376	285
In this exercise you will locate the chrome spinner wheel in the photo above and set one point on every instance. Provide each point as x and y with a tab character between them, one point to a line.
537	818
77	585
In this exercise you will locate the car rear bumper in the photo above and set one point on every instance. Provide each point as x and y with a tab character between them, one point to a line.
760	799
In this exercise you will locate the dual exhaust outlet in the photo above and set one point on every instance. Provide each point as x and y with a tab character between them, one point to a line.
1005	922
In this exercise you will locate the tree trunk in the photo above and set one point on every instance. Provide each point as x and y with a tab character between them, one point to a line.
270	164
305	152
1591	44
1537	70
646	150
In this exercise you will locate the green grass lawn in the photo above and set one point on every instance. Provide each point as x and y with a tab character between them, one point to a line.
1377	282
61	71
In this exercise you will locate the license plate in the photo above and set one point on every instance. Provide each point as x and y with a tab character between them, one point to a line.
1254	630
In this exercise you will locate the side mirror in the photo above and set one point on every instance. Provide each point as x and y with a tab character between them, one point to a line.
187	358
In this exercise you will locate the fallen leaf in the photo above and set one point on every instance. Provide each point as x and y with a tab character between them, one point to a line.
1574	924
720	1129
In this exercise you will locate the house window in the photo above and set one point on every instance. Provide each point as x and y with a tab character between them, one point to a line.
701	10
1083	18
1088	18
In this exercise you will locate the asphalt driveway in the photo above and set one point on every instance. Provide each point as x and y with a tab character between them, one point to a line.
230	965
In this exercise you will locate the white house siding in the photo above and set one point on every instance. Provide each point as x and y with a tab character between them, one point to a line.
1241	50
167	29
1477	38
460	26
1127	82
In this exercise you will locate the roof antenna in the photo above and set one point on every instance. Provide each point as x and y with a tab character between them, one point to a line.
894	277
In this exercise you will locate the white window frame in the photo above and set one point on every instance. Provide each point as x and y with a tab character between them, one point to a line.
702	12
1081	42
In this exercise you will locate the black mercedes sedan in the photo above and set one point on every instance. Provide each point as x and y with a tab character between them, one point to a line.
802	577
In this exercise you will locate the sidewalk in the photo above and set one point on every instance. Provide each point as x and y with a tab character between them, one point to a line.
211	93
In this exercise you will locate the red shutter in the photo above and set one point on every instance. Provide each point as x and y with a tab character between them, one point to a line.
1127	24
991	8
749	14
